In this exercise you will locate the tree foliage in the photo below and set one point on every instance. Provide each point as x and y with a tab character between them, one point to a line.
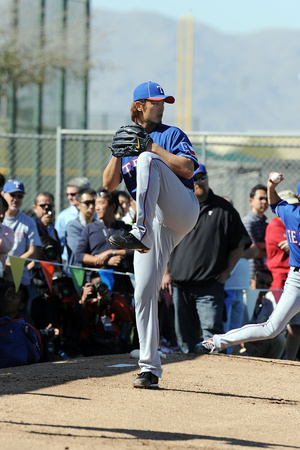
33	52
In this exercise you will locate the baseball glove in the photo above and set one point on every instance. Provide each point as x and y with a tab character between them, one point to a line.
130	140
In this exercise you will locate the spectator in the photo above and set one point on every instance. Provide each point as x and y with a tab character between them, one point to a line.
127	205
20	341
278	263
15	303
86	207
2	182
202	262
94	248
71	212
106	313
269	348
60	309
6	243
256	223
26	236
44	209
50	251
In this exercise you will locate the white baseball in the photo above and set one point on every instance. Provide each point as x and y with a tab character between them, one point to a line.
275	177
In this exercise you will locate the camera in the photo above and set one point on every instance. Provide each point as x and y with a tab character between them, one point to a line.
98	287
47	332
47	336
62	285
49	212
50	251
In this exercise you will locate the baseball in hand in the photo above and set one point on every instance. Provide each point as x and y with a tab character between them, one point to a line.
275	177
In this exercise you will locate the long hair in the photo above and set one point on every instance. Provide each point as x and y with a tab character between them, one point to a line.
135	114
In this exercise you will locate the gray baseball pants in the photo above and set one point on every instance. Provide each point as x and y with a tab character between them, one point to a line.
287	307
166	212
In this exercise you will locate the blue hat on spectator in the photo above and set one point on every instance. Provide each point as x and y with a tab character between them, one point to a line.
151	91
201	169
14	186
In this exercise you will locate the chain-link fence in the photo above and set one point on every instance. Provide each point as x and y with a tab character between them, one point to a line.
235	162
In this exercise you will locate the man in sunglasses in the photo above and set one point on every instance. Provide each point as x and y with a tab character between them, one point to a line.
44	209
201	263
71	212
26	237
256	223
86	206
44	214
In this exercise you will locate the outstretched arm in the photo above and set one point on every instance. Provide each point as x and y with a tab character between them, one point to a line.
273	197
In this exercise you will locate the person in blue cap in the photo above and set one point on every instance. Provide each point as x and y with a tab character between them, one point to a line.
201	263
26	236
160	180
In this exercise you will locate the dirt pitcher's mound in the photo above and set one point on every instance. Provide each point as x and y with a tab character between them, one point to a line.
212	402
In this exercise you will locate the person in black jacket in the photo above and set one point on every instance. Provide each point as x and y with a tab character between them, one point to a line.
44	209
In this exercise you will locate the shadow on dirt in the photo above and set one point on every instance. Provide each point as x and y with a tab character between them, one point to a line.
133	435
42	375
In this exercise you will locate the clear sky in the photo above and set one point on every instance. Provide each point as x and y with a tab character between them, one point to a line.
230	16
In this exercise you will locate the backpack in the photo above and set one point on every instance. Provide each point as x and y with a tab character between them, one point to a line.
20	343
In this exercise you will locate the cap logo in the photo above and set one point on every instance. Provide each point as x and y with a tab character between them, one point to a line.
160	90
17	184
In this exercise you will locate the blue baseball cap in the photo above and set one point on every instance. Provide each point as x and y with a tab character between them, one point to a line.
201	169
151	91
14	186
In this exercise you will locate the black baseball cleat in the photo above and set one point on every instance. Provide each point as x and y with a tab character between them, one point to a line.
128	242
146	380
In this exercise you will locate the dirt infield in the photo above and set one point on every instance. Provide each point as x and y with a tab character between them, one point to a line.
212	402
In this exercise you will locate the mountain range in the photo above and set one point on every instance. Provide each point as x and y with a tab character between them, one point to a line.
241	82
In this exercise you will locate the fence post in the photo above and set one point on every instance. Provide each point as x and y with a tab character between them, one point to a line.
204	149
59	165
36	178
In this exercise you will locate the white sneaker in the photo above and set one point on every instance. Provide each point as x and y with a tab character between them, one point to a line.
205	347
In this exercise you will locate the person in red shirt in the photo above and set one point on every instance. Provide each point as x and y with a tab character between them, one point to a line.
277	247
278	263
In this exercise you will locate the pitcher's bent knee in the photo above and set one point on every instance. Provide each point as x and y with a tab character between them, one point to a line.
145	158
